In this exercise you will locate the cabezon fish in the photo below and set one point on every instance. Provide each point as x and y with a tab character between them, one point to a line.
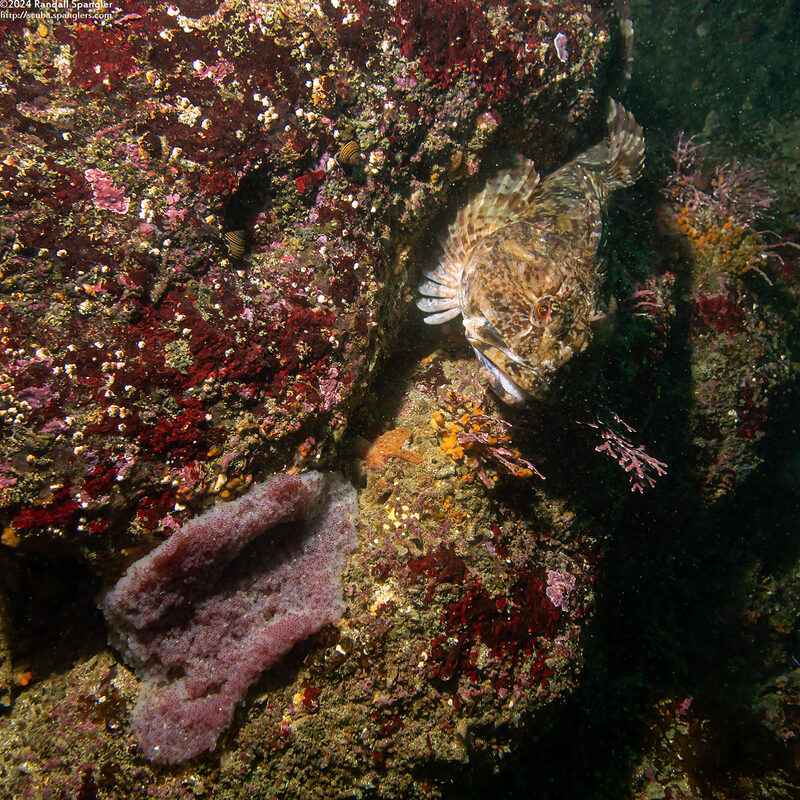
520	263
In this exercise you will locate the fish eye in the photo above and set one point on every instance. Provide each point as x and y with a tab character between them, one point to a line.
543	311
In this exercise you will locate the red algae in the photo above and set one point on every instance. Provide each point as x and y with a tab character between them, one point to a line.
720	312
510	624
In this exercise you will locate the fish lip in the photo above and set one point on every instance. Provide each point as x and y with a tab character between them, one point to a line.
485	338
489	346
503	385
492	350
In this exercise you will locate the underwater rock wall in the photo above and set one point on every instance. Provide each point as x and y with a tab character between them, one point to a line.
197	292
210	215
462	638
213	219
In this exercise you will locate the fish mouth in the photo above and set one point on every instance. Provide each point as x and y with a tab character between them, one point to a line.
512	378
492	352
507	389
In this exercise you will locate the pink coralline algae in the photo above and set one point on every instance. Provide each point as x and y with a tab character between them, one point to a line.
642	468
559	588
562	51
225	597
105	194
716	215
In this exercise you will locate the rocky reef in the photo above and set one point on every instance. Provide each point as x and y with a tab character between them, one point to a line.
462	635
213	219
211	216
214	216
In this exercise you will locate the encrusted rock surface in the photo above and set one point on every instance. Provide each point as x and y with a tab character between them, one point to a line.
211	221
6	678
214	220
214	217
451	650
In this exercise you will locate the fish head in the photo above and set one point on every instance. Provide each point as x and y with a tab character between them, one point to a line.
527	319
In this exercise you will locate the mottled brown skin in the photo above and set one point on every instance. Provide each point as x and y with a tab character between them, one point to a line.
521	264
548	255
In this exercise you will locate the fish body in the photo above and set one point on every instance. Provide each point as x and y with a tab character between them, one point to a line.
520	264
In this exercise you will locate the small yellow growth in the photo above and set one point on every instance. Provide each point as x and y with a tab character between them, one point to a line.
233	488
719	245
399	518
454	512
476	438
383	594
448	435
9	537
783	623
297	701
304	452
183	494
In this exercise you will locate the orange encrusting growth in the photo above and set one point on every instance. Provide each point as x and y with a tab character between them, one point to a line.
724	246
390	445
479	440
716	216
9	537
22	676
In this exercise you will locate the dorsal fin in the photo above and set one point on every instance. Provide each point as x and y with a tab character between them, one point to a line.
618	160
504	198
594	204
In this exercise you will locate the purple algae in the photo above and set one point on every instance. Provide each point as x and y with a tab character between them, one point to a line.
226	596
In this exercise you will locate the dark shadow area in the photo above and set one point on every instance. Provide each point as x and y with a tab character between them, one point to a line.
670	621
54	618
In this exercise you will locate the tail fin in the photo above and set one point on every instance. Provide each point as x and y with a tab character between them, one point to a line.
625	148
